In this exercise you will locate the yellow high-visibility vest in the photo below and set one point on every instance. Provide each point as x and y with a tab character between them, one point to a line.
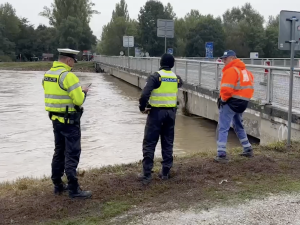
61	89
166	94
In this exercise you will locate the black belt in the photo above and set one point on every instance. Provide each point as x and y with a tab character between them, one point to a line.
74	118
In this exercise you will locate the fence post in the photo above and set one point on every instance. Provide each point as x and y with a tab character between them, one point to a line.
186	70
200	67
269	87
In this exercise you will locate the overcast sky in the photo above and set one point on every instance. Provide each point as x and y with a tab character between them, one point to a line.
31	8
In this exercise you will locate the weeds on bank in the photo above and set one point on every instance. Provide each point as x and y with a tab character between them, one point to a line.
196	180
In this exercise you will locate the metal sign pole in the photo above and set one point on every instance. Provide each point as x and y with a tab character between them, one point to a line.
292	41
165	37
128	53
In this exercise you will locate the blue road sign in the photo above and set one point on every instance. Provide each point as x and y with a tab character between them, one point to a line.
209	50
170	51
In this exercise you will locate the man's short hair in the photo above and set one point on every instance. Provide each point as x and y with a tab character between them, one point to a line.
62	57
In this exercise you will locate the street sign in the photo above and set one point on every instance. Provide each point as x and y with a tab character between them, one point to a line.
285	30
165	28
254	55
128	41
137	52
121	53
170	51
209	49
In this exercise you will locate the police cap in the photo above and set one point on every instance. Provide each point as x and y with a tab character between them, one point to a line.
68	52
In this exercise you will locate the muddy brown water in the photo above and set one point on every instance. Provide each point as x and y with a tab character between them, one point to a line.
112	126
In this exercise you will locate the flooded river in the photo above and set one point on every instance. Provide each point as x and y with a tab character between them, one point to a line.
112	126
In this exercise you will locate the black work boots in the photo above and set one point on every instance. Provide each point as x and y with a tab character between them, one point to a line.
146	178
78	193
74	191
60	188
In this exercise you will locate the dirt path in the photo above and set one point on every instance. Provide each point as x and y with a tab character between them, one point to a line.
283	209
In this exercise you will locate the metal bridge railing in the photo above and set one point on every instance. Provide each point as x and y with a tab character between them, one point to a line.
271	83
285	62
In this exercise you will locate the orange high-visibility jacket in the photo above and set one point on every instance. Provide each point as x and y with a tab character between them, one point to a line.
237	81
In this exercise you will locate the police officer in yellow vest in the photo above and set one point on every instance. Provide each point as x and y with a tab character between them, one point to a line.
159	101
63	99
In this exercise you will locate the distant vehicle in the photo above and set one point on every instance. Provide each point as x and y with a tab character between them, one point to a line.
34	59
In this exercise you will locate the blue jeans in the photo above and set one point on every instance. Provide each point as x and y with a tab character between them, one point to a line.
226	116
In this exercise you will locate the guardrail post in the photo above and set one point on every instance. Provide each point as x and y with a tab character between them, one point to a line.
217	77
269	87
200	67
186	70
267	63
151	65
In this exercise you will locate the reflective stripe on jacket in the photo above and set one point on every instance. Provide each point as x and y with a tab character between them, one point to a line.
237	82
61	89
166	94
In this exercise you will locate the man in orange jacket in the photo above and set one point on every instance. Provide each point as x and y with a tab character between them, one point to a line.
236	91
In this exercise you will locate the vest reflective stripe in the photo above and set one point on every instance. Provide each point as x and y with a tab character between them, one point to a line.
164	102
73	87
166	94
56	97
62	78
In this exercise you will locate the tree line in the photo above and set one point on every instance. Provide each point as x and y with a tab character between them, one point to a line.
69	28
240	28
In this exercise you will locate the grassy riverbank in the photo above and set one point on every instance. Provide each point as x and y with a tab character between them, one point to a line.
81	66
196	181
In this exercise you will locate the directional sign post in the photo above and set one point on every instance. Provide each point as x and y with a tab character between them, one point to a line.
288	40
209	50
128	41
165	28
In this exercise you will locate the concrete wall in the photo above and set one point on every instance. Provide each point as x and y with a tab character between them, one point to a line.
267	123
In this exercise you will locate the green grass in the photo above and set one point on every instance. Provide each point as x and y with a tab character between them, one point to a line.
196	181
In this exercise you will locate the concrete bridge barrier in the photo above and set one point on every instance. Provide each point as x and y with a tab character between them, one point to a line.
262	119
